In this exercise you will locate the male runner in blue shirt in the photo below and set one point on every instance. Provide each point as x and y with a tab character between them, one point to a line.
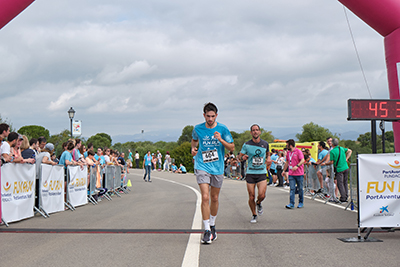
212	138
256	151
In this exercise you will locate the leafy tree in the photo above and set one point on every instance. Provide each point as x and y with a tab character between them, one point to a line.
34	131
58	139
182	154
105	136
365	139
389	136
186	135
100	140
314	132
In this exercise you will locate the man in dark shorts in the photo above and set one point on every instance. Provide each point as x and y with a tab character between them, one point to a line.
212	138
256	151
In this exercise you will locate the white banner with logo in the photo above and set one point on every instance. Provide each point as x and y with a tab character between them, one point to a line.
17	191
76	128
52	188
379	190
77	187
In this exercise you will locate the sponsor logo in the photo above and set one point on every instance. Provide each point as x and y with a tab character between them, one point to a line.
78	182
210	141
7	186
45	184
23	187
384	211
396	164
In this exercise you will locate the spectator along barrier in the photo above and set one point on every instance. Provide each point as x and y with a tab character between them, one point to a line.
20	187
328	192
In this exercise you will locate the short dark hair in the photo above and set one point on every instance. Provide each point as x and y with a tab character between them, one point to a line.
90	152
291	142
4	127
33	141
89	145
42	139
12	136
322	144
255	124
70	145
210	107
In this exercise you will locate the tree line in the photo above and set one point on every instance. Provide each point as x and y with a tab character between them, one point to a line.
180	150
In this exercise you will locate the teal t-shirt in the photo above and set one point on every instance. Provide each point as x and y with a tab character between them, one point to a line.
210	154
257	153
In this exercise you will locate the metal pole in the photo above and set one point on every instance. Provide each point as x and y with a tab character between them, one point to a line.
71	127
373	136
382	127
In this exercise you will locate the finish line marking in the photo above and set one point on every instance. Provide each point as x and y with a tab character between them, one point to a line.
178	231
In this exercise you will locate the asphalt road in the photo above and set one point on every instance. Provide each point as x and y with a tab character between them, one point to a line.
159	224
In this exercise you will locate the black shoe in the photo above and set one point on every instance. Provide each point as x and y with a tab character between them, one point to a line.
213	233
260	210
207	237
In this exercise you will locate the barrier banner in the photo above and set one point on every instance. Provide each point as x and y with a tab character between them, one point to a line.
0	191
52	188
77	187
379	190
17	191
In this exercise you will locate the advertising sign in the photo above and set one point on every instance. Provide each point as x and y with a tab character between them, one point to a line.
76	128
17	191
379	190
52	188
77	187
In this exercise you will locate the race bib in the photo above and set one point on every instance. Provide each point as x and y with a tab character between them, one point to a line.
210	155
257	161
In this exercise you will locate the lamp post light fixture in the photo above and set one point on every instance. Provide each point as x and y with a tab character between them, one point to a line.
71	114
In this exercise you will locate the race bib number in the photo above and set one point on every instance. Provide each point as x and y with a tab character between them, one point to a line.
257	161
210	155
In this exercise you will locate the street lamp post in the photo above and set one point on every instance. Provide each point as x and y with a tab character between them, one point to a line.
71	114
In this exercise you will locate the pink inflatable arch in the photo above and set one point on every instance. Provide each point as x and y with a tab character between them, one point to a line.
384	17
9	9
381	15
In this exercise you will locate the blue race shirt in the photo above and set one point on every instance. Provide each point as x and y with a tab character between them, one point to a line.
322	154
147	159
274	157
65	156
257	153
210	154
183	169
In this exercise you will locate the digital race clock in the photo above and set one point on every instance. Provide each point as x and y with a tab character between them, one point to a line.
373	109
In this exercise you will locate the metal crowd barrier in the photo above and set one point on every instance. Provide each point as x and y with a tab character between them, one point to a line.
92	191
312	185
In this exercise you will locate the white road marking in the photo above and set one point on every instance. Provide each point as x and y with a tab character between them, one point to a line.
192	253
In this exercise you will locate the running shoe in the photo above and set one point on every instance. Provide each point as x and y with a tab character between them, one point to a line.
290	206
301	205
253	219
260	210
213	233
207	237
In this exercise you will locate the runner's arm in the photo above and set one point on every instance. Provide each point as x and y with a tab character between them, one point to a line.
195	143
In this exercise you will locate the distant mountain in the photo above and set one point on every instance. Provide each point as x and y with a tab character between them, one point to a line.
149	136
351	135
174	136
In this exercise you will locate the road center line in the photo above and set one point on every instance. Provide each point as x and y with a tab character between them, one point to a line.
192	253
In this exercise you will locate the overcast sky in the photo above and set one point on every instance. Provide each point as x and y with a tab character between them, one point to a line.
128	65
